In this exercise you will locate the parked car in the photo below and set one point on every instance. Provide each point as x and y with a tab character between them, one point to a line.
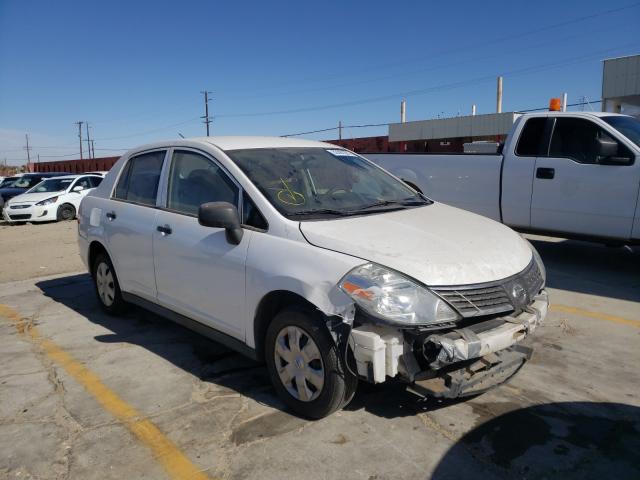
56	198
21	184
573	175
316	261
102	173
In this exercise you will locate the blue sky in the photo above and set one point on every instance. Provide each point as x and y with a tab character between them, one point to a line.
135	69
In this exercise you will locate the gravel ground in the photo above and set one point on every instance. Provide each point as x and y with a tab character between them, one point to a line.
34	250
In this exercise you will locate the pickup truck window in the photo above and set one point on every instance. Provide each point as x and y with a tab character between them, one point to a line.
531	139
627	126
139	179
194	179
577	139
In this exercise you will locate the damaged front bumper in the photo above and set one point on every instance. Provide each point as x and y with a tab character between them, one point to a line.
449	363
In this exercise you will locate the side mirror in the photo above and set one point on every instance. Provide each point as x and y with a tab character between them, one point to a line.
222	215
606	147
77	188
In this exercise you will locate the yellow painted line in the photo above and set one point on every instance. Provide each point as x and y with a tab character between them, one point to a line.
596	315
177	465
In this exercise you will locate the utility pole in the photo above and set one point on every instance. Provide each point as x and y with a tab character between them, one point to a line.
93	149
80	136
86	124
27	148
499	96
207	121
340	130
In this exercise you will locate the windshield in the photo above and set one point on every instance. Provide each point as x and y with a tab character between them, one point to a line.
316	182
52	185
628	126
8	182
26	182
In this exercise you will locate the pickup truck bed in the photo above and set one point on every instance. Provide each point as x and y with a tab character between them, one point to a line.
572	175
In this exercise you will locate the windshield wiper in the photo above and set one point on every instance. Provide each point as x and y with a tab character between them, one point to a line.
319	211
407	202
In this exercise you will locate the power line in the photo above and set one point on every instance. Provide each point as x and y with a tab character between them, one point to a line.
466	47
435	88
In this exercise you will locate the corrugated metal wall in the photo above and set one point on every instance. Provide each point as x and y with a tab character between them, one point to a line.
75	166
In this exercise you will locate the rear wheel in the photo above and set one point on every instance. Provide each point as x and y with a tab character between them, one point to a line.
66	211
305	364
106	285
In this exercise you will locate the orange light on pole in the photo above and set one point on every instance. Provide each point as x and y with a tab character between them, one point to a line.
555	104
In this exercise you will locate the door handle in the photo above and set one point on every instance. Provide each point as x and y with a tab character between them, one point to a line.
111	216
164	229
545	173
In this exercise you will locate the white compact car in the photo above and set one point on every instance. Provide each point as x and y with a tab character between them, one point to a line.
55	198
316	261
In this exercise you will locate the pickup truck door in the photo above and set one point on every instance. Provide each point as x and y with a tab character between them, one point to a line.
577	190
199	274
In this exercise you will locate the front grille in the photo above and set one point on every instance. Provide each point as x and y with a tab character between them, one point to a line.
511	294
16	207
20	217
470	302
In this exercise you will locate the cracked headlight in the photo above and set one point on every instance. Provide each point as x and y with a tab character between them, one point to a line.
48	201
395	298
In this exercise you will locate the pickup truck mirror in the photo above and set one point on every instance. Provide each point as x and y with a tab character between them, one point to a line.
222	215
606	147
608	153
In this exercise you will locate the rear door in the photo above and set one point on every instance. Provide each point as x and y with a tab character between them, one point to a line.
198	272
129	222
576	191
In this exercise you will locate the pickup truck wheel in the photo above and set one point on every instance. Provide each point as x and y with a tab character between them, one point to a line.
305	364
66	211
106	285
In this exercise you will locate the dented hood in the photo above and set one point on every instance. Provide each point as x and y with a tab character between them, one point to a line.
435	244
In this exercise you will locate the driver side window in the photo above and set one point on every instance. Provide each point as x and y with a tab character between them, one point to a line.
194	179
578	139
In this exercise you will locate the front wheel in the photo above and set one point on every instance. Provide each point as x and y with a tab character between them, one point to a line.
66	212
305	364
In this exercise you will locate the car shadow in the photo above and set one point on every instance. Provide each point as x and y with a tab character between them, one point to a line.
566	440
208	360
591	268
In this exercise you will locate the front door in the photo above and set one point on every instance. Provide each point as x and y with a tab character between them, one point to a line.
198	272
576	191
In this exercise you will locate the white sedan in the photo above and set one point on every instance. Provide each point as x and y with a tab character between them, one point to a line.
56	198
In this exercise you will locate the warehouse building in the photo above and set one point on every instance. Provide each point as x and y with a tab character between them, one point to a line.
621	85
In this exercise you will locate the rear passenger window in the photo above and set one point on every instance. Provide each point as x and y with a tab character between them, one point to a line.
194	179
531	138
95	181
138	182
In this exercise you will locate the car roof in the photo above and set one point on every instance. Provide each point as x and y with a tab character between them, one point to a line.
67	177
228	143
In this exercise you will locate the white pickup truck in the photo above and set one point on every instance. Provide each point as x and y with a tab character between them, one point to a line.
574	175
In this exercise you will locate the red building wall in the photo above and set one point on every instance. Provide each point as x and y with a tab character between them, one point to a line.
75	166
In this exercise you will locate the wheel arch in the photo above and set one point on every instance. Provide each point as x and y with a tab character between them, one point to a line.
95	248
268	307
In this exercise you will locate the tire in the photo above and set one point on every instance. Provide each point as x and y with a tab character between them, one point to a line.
66	211
106	285
325	384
